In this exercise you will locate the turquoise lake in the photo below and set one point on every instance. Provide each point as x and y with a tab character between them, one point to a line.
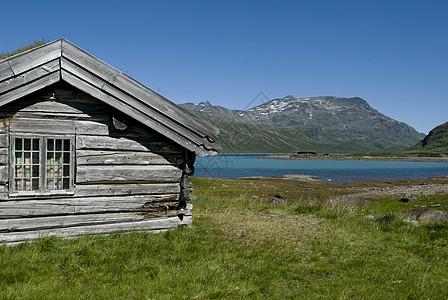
236	166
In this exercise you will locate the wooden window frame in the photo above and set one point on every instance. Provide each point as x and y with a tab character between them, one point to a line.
42	192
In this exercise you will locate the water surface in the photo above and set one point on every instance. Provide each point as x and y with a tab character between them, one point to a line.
236	166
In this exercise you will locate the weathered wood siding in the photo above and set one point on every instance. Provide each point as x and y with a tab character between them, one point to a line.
126	176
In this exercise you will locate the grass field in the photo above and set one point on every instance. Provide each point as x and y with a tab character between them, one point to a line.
241	245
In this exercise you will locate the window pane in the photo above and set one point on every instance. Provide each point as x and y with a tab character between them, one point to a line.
66	183
18	158
35	157
35	170
57	171
50	184
18	145
36	144
66	171
27	158
50	145
27	185
35	184
58	145
27	144
27	172
58	158
66	145
66	157
19	172
50	171
50	158
58	184
18	185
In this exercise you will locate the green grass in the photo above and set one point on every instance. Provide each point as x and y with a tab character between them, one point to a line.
242	246
23	49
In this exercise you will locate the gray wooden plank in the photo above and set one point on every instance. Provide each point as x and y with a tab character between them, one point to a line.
4	175
88	205
22	91
97	190
95	157
124	144
42	223
119	173
158	224
31	59
29	76
5	70
30	125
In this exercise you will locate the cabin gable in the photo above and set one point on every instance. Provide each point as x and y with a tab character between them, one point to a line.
79	155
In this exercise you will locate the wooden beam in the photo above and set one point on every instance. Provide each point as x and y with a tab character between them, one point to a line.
121	174
99	157
123	144
128	189
88	205
159	224
30	125
31	87
42	223
29	76
28	60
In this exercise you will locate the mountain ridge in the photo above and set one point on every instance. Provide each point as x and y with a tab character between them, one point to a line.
435	142
326	124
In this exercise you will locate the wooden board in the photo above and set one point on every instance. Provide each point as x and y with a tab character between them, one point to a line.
97	190
31	87
129	174
29	76
44	127
31	59
41	223
124	144
150	224
101	157
90	205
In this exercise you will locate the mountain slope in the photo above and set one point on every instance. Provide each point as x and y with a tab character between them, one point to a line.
322	124
435	142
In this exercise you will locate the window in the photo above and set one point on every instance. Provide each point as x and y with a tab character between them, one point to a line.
42	164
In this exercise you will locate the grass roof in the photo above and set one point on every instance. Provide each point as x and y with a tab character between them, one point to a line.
23	49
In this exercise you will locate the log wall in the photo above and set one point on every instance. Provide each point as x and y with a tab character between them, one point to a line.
127	177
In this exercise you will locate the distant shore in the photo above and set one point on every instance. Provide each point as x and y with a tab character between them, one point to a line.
356	158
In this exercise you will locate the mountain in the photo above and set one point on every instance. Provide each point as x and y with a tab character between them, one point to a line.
321	124
435	142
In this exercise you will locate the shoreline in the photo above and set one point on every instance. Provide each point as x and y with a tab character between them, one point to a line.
356	158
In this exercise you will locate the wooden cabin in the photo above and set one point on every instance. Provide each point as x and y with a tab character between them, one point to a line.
86	149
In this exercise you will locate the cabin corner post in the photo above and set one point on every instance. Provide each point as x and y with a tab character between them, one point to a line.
186	187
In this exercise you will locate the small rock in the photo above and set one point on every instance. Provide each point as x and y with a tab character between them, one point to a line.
276	199
435	205
406	200
428	215
255	197
369	217
224	185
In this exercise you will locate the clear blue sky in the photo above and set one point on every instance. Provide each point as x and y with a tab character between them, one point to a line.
393	54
